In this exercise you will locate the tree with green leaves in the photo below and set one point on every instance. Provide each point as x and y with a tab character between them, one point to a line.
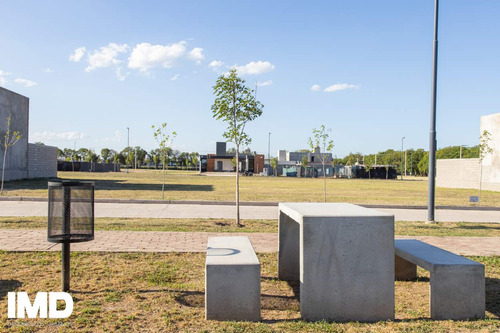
236	105
195	160
484	150
164	139
305	164
321	139
10	138
105	154
274	163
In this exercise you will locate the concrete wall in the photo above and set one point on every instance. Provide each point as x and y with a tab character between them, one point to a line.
458	173
17	106
491	163
42	161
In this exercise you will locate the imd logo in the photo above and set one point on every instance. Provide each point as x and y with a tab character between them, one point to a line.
40	305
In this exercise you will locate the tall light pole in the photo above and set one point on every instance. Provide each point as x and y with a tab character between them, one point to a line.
128	146
402	150
269	149
461	149
432	133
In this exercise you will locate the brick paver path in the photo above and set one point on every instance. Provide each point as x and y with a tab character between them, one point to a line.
154	241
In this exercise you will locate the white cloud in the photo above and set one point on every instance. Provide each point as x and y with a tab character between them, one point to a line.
175	77
106	56
216	64
3	80
120	75
145	56
77	54
68	136
196	54
253	68
265	83
27	83
316	87
339	86
48	70
116	138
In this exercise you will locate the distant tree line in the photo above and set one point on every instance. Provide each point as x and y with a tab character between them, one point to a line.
174	158
417	161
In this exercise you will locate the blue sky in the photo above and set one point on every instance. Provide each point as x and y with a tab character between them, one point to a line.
141	63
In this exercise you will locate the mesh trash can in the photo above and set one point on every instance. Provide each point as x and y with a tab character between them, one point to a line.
70	218
71	212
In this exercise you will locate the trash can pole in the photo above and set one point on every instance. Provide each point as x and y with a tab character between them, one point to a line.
66	244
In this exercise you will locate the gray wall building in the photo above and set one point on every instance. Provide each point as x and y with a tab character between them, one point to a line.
23	160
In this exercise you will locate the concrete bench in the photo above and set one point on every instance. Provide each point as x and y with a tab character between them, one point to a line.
457	283
232	280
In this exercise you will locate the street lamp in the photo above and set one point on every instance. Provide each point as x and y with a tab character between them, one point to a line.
461	149
269	149
402	149
128	146
432	133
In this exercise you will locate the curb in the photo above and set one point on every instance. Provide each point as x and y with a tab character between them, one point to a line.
245	203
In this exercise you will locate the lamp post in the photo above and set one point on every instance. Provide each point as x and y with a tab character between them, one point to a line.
461	150
128	146
432	133
269	149
402	149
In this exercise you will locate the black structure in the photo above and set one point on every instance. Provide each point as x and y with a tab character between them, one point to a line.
70	218
87	166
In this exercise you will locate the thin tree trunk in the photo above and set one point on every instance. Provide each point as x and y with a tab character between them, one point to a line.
237	187
480	184
324	180
3	168
163	184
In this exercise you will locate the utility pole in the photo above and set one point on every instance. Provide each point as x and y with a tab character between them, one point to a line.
402	149
432	133
128	146
269	149
405	162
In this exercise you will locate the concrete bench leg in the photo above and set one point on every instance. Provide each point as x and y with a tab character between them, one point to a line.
405	270
289	249
457	293
232	292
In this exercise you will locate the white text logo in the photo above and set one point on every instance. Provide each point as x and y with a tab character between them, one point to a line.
40	305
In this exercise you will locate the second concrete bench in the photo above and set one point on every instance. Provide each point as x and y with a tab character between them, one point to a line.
232	280
457	283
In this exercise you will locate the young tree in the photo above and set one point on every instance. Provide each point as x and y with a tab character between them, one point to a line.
9	139
274	163
236	105
195	159
164	139
484	150
321	139
305	163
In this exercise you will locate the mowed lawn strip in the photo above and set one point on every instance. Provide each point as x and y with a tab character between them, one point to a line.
270	226
187	185
165	292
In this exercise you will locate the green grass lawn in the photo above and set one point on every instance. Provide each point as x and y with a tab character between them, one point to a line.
153	292
185	185
227	225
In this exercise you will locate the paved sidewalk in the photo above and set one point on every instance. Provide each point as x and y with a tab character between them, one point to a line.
144	210
153	241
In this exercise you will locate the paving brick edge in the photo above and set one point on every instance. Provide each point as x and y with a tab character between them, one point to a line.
243	203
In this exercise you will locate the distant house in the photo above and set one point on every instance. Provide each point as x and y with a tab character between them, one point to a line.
290	164
221	161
